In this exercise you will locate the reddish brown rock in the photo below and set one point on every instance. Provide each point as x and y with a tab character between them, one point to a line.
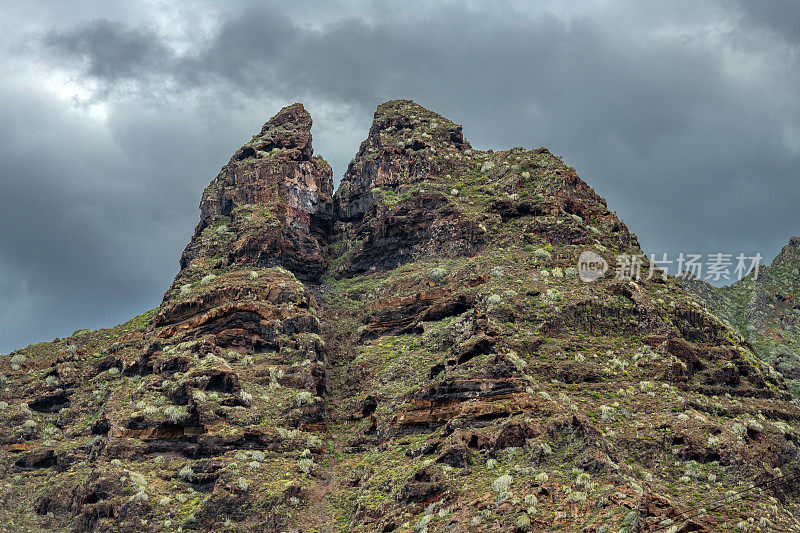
269	206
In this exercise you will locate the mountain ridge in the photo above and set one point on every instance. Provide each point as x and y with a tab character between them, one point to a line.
762	309
414	351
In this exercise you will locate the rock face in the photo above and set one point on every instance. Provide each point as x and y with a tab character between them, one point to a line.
764	309
269	206
415	352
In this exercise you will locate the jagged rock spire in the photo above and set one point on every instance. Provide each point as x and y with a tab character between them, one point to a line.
269	206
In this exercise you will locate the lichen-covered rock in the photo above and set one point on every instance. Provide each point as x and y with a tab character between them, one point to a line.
413	353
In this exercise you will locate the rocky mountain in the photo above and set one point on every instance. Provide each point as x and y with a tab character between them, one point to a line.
763	308
412	353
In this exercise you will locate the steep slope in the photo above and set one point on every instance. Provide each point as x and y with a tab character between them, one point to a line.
414	353
764	309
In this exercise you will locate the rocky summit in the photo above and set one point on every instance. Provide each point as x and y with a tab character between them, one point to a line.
415	352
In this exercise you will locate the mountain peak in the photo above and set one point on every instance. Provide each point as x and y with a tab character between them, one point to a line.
289	131
788	258
405	123
267	207
424	356
793	244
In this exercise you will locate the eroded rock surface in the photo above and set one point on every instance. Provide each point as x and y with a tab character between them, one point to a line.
414	352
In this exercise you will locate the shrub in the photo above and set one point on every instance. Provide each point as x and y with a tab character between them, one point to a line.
486	167
258	455
692	469
738	429
252	275
494	299
541	253
582	479
302	398
437	274
17	361
577	497
554	295
306	465
207	279
186	473
541	478
288	433
517	361
245	397
523	522
242	484
274	376
175	413
199	396
186	289
502	483
754	425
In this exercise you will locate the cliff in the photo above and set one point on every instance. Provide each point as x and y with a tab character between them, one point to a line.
413	352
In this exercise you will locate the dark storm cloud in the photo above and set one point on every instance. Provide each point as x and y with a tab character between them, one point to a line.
112	51
779	16
685	116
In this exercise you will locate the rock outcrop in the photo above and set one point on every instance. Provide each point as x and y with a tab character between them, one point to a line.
415	352
269	206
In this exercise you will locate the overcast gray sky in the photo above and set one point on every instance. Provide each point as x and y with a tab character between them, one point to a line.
684	115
